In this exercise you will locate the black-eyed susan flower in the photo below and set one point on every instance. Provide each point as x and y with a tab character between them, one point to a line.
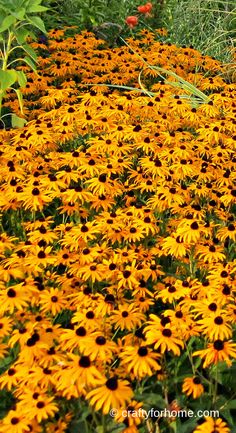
42	408
113	393
217	352
52	300
159	333
99	347
12	376
34	198
211	425
216	326
15	422
175	246
127	278
83	371
192	386
86	318
5	326
13	297
190	231
126	317
74	338
131	415
139	360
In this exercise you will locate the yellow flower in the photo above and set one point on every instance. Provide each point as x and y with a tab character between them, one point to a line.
175	246
192	386
113	393
211	425
141	361
217	352
15	422
41	408
126	317
52	300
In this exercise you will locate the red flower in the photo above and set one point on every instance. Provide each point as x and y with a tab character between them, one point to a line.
145	9
131	21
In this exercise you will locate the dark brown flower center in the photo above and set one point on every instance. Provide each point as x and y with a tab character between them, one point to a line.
14	420
90	315
100	340
194	225
218	345
124	313
40	404
218	320
167	332
196	380
112	383
142	351
81	331
11	293
84	362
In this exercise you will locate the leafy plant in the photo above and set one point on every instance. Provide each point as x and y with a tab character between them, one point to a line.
17	18
104	17
208	25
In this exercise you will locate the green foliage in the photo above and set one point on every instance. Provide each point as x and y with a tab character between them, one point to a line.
104	17
18	19
208	25
6	402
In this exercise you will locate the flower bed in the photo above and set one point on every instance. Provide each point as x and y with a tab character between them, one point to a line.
117	246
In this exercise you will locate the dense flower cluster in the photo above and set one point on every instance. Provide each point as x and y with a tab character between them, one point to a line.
118	233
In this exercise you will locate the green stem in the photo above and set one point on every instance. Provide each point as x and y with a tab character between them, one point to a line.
190	358
192	263
104	429
4	64
215	388
116	333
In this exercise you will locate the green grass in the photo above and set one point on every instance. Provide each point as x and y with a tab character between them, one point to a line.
208	25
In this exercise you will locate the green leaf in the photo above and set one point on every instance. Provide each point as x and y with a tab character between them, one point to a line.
4	362
151	399
118	429
17	122
22	79
37	22
227	416
17	4
173	425
86	412
181	377
27	48
205	403
19	14
30	63
21	35
78	426
7	22
36	9
231	404
198	363
20	99
7	78
34	2
3	13
188	426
